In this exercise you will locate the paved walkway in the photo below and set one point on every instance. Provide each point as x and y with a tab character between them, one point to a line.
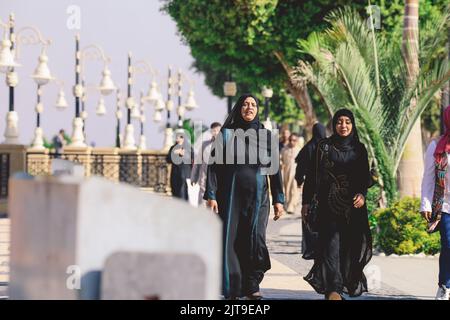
388	277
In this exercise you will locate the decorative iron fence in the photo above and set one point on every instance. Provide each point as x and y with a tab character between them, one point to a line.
145	169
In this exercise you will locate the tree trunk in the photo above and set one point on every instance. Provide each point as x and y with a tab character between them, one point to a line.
301	95
410	169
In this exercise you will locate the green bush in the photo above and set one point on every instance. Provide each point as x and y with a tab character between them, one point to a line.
372	201
400	229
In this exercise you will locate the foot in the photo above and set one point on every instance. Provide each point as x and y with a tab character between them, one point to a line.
333	296
255	296
443	293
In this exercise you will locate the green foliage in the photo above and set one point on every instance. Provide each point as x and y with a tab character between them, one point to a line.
372	201
431	118
189	128
366	72
241	37
402	230
48	144
373	198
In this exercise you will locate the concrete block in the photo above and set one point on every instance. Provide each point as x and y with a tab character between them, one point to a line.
64	228
153	276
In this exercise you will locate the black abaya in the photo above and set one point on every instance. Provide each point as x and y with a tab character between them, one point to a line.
344	244
303	160
180	171
241	191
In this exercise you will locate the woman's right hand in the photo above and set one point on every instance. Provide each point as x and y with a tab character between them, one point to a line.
426	215
213	205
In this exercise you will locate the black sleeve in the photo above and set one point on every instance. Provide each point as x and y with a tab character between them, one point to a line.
211	180
302	164
169	156
276	188
310	179
362	173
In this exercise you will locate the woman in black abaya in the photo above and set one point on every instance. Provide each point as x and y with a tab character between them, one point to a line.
180	156
238	192
304	160
344	244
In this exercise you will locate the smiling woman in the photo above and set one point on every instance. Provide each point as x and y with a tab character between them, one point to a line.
239	193
338	178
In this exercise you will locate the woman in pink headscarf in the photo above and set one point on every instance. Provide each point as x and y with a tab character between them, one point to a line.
435	204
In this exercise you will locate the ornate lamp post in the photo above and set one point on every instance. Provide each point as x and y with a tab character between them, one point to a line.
190	104
142	140
106	86
133	111
267	94
61	103
118	117
230	90
159	107
9	51
168	137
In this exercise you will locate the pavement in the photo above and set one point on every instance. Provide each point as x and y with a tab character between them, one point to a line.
389	277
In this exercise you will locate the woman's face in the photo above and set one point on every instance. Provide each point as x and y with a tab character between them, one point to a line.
249	109
179	139
344	126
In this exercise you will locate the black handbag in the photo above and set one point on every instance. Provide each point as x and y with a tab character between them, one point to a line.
311	219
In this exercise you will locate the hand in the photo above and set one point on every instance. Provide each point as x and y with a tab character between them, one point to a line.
305	209
179	152
278	210
426	215
213	205
358	200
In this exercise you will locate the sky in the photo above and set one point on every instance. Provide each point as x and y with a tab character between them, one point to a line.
119	27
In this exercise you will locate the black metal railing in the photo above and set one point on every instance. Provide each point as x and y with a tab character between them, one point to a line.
4	175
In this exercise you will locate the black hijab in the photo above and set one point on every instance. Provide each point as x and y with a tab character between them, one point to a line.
235	120
349	142
319	132
305	155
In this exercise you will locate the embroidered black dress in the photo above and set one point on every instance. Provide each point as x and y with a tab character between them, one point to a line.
241	191
344	245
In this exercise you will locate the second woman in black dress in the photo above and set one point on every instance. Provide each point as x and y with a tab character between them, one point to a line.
344	245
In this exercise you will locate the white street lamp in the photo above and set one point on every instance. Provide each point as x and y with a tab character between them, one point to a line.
42	73
191	104
106	85
160	105
153	94
7	57
157	116
101	109
8	54
267	94
139	67
61	102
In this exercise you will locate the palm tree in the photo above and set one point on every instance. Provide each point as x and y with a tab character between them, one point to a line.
410	169
354	67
